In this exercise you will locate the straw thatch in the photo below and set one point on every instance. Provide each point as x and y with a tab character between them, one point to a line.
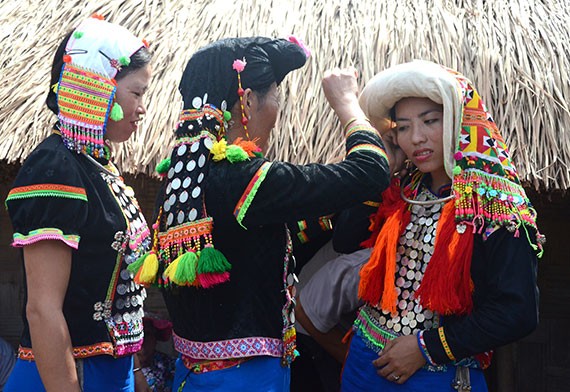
516	52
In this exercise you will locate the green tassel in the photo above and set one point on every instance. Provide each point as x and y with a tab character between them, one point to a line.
236	154
163	166
125	60
213	261
116	112
258	154
185	273
133	268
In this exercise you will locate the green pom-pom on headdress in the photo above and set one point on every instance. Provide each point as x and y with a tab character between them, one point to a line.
116	112
78	34
227	115
163	166
456	170
124	60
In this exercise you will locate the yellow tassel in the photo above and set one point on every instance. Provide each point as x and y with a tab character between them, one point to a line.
171	269
218	150
149	269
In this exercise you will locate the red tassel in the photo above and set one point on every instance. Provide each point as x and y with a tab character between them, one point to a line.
446	286
212	279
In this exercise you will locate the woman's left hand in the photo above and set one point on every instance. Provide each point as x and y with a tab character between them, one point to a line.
400	359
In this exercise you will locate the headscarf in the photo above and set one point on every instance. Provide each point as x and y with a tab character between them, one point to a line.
485	183
210	87
94	54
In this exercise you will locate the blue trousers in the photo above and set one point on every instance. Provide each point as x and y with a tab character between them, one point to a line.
263	374
359	374
101	373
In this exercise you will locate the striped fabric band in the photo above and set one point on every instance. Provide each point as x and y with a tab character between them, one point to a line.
226	349
84	97
361	128
34	236
445	344
423	349
249	193
78	352
47	190
368	147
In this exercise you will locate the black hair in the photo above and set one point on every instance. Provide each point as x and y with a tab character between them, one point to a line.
139	59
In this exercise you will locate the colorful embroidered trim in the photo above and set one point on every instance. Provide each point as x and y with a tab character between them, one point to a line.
361	128
37	235
303	237
207	111
325	223
226	349
374	335
368	147
424	350
249	193
198	367
193	139
185	231
444	344
103	348
47	190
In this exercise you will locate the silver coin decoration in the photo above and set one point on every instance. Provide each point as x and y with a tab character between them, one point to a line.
208	143
186	183
181	150
196	192
180	217
183	197
176	183
195	146
191	165
201	160
192	214
170	173
178	168
197	102
200	178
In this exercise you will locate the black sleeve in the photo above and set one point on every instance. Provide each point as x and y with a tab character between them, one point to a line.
291	192
48	200
352	227
504	270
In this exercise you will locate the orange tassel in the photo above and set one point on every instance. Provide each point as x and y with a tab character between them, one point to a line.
377	277
248	146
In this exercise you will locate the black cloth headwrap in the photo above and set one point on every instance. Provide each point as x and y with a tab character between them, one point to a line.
210	78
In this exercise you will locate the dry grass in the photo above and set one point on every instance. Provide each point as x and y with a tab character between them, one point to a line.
516	52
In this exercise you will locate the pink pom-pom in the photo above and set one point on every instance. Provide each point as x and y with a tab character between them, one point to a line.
239	65
300	42
458	155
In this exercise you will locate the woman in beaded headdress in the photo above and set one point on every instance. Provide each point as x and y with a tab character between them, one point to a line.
79	225
452	273
222	249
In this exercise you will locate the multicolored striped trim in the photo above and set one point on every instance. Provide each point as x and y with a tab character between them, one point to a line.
303	237
368	147
102	348
445	344
207	110
250	192
424	350
47	190
20	240
361	128
227	349
186	231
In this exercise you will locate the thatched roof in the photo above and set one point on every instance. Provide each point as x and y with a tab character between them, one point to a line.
517	54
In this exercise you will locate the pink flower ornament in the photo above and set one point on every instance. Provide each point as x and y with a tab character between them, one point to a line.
300	42
239	65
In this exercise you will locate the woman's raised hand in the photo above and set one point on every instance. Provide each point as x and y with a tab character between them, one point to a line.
341	90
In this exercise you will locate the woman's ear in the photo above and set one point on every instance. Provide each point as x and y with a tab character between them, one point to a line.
248	98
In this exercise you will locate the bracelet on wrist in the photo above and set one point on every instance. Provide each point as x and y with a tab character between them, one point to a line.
136	369
354	120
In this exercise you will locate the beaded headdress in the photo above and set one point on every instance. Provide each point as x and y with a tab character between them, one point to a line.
94	53
485	183
213	81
